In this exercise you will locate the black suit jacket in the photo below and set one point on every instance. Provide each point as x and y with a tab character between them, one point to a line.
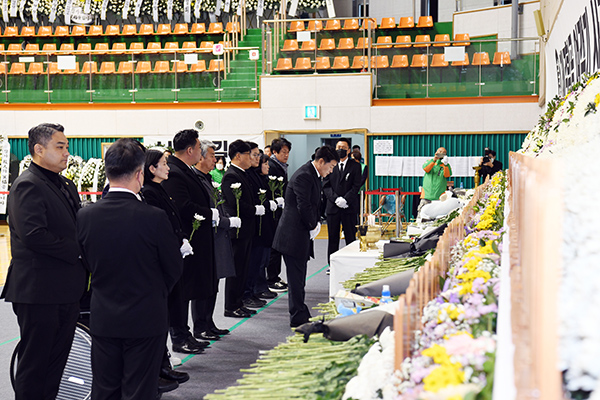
346	185
275	169
301	213
157	196
199	273
248	201
45	267
134	259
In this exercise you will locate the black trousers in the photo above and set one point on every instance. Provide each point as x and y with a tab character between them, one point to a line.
126	368
47	332
256	281
234	286
178	315
274	265
296	273
348	221
202	314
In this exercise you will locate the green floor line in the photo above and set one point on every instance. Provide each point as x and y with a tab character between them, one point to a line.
257	312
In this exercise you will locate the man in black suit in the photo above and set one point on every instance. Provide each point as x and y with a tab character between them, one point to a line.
300	224
199	279
134	259
341	190
280	153
46	278
241	239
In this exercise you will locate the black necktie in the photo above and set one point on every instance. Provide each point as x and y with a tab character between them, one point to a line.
342	169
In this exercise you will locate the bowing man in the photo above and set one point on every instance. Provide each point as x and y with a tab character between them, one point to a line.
299	225
133	255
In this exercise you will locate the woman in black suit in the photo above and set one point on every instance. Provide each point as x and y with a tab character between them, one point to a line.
156	170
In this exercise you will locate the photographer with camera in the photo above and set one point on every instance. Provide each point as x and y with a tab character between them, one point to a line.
489	165
437	171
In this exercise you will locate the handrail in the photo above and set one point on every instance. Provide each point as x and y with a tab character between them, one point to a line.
459	41
119	52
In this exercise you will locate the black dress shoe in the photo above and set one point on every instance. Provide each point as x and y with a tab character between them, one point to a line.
237	314
172	375
267	294
188	348
254	303
278	287
207	335
165	385
218	331
247	310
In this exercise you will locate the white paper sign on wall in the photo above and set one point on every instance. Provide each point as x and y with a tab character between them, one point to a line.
383	147
253	55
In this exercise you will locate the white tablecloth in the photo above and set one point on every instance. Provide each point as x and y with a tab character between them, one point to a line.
346	262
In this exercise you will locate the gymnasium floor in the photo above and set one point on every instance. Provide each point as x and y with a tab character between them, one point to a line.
219	366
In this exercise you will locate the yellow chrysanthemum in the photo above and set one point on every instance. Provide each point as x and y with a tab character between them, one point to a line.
443	376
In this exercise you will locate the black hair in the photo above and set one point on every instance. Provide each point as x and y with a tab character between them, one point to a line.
279	143
327	153
267	146
493	153
123	158
42	134
252	145
238	146
263	159
344	140
221	157
356	147
152	158
356	155
184	139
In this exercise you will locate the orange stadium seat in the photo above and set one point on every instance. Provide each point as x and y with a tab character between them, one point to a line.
362	43
78	30
153	47
425	22
28	31
200	66
351	25
216	65
143	67
359	62
232	27
198	28
53	68
290	45
84	47
439	60
107	67
346	44
323	63
421	41
32	47
164	29
112	30
179	67
462	39
67	47
45	31
341	62
333	25
146	29
11	31
101	48
463	63
388	23
303	64
61	31
441	38
2	68
125	67
161	67
181	29
171	46
419	61
369	23
207	45
89	67
49	48
403	39
215	28
327	44
17	68
406	23
501	58
309	45
380	62
188	46
35	68
481	58
95	30
315	25
399	61
129	30
284	64
385	42
13	49
119	48
137	47
296	26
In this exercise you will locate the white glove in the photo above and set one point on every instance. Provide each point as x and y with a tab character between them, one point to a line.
280	201
445	160
315	232
272	205
235	222
186	249
215	216
260	210
341	202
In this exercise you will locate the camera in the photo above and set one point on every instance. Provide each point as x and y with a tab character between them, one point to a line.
486	159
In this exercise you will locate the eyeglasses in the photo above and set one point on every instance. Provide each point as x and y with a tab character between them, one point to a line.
255	155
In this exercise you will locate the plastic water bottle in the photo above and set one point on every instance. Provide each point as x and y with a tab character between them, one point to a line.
461	185
386	297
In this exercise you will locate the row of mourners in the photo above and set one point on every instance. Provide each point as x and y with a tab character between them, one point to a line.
110	67
103	48
383	42
214	28
398	61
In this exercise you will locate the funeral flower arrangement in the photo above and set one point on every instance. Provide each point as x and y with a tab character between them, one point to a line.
453	356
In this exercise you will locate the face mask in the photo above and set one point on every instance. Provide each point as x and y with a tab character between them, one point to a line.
342	153
220	167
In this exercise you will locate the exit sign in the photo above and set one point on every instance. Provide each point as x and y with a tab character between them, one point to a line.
312	112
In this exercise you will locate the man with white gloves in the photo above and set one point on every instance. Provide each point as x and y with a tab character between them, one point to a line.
341	189
240	197
437	171
299	226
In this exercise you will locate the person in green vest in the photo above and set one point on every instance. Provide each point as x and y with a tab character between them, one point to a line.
437	171
219	170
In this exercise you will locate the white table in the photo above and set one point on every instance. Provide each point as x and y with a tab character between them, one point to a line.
346	262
